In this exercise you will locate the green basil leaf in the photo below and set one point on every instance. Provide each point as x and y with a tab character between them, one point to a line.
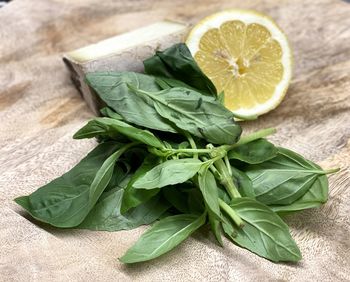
296	160
229	228
264	232
221	97
209	189
119	176
134	197
111	127
223	195
102	132
195	201
199	115
177	62
112	88
163	236
104	175
283	179
106	214
176	197
215	227
108	112
313	198
65	201
243	183
254	152
165	83
169	173
184	145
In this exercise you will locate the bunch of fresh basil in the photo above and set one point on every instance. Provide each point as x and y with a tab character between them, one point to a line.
170	153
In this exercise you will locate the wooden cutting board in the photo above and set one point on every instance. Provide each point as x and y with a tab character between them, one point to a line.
40	110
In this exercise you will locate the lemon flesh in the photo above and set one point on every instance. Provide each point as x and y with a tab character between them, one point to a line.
247	56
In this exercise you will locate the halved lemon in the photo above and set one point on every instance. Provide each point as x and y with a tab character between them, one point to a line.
247	56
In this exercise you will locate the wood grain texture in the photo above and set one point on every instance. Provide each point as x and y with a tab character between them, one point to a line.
40	110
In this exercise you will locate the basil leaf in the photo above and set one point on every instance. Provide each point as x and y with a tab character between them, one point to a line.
166	83
177	62
223	195
104	175
111	127
228	228
96	129
134	197
169	173
243	183
67	200
183	145
119	176
112	88
313	198
254	152
264	232
209	189
207	185
283	179
199	115
221	97
176	197
108	112
106	214
162	237
195	201
215	227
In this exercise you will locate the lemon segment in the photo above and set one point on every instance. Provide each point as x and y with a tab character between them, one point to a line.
247	56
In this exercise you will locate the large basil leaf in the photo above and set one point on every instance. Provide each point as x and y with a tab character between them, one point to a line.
209	189
112	127
195	201
134	197
176	197
177	62
242	182
120	176
254	152
67	200
283	179
168	173
163	236
313	198
223	195
108	112
264	232
199	115
106	214
112	88
166	83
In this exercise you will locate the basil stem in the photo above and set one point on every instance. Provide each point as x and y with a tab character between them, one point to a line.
251	137
212	168
231	213
192	143
188	151
226	179
228	165
331	170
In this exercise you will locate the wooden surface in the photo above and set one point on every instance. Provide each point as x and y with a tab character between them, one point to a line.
40	110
